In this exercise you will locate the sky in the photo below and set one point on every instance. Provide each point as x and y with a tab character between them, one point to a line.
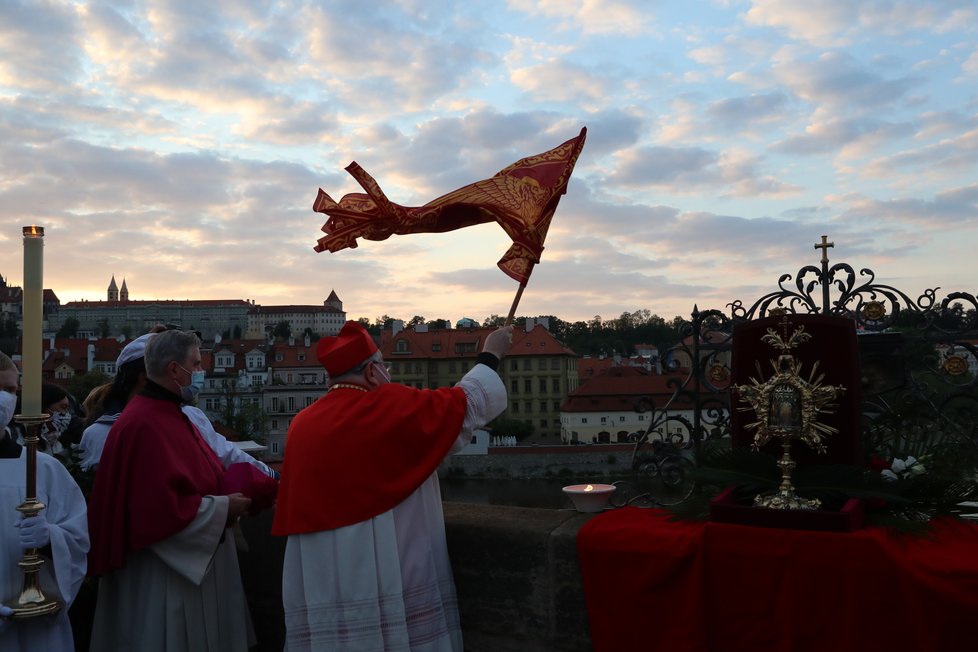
179	145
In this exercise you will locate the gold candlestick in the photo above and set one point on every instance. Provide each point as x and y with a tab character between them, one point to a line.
32	602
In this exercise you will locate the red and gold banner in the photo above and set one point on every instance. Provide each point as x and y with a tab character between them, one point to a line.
522	198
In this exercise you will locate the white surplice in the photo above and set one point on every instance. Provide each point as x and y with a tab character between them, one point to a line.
384	584
183	594
62	574
93	441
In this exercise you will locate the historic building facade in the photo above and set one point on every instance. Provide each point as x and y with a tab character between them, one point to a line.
326	319
538	371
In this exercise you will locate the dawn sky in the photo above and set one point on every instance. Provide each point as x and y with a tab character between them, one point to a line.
180	145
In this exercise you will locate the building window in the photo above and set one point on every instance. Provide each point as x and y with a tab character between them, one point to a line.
302	356
526	364
543	406
527	385
583	419
604	419
274	446
542	364
641	417
274	424
621	419
542	384
291	404
556	406
555	385
451	367
401	346
465	347
514	365
555	364
395	368
308	401
514	386
436	346
543	423
516	407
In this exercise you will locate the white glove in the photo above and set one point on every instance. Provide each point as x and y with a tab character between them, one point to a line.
34	532
5	620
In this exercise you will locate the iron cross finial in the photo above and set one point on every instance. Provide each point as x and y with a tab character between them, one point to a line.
825	248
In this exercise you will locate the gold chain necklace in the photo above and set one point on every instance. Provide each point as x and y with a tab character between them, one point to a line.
347	386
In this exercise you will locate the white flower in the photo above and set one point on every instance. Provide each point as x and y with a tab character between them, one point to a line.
902	469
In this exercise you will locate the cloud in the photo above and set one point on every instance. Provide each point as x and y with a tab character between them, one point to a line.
957	153
837	78
561	81
835	23
736	113
589	16
849	137
39	48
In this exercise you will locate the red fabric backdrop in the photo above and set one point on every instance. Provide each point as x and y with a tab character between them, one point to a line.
656	584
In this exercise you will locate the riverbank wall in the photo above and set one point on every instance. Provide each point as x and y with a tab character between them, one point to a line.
585	462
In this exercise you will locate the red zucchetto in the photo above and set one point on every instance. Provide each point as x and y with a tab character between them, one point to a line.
342	353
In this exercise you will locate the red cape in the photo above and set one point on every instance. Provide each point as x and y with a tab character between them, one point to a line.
352	455
152	475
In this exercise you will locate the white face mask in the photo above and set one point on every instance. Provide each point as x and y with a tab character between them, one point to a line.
189	393
8	403
60	421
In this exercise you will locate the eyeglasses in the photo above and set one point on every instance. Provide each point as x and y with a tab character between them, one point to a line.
386	365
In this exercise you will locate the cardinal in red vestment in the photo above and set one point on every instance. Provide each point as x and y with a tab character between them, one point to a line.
366	563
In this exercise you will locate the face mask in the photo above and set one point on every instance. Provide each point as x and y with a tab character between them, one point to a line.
190	392
8	403
60	420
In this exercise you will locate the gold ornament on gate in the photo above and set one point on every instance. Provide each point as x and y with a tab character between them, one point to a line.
874	311
787	407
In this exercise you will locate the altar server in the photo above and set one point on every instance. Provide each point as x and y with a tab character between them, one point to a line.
60	531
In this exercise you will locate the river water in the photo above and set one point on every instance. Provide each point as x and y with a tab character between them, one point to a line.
541	493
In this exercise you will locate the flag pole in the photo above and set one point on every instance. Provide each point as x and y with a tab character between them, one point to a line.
516	302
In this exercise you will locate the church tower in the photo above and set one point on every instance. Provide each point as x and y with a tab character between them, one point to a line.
124	292
113	290
333	301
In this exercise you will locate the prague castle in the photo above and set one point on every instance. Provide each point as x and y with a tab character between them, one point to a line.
120	315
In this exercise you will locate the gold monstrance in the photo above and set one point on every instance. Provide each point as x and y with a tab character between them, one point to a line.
787	407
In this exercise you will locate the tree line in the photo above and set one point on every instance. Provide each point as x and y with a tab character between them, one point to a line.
593	337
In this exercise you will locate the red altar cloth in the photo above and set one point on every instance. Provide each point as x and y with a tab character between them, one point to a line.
655	584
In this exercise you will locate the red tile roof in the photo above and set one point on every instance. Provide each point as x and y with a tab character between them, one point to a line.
618	388
444	342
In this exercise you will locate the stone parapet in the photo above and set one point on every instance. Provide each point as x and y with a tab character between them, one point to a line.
515	568
517	577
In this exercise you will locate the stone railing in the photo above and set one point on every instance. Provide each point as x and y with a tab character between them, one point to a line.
516	573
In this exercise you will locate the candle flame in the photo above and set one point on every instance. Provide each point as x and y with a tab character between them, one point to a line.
33	230
589	488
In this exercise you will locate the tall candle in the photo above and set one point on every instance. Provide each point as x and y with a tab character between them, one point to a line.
33	315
